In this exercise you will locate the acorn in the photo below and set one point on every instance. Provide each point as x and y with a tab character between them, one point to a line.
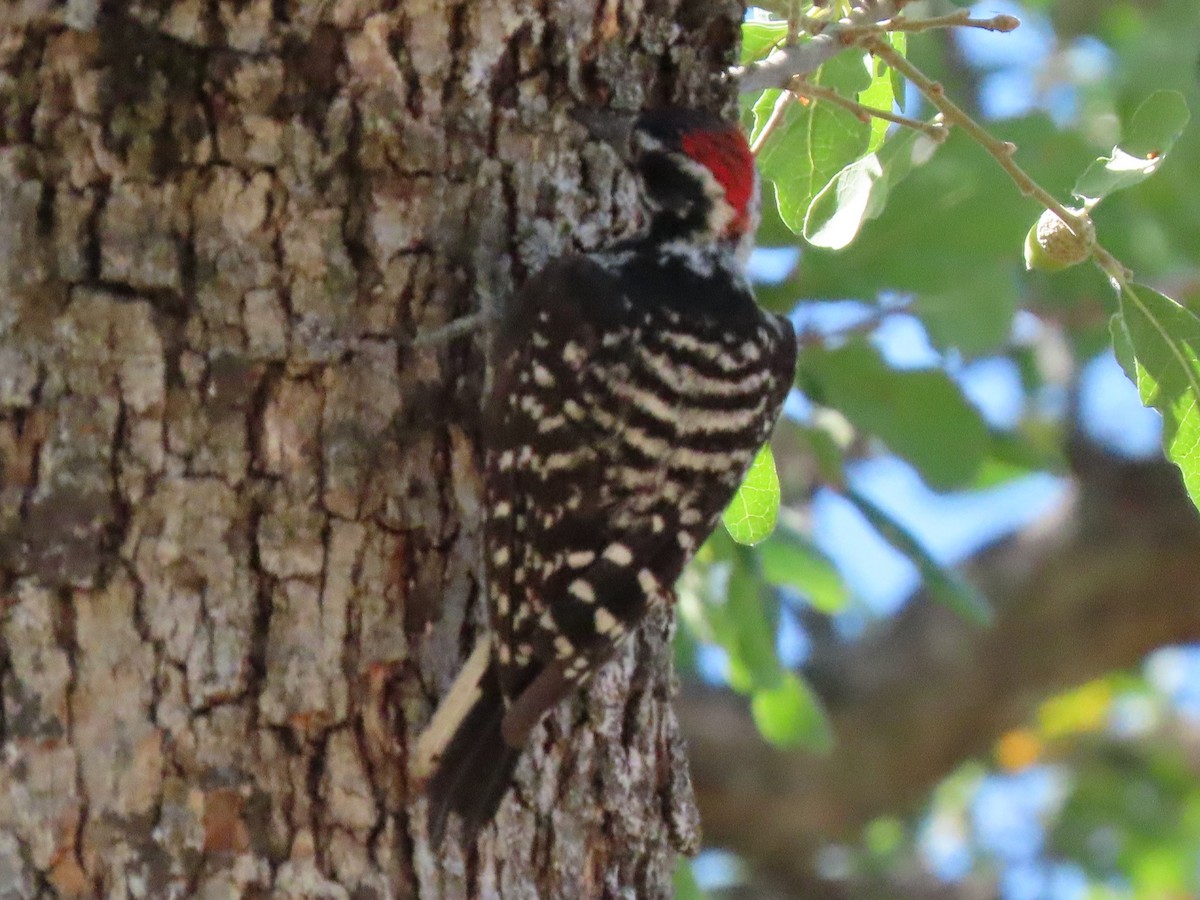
1051	245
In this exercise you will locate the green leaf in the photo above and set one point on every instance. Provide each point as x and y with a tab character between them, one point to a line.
946	223
788	559
790	715
814	141
838	212
759	38
859	191
920	414
879	94
945	586
1156	126
974	315
1123	346
1165	339
685	885
899	42
763	106
1157	123
750	516
746	632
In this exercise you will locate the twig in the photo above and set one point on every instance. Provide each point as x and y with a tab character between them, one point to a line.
1001	151
783	64
830	38
785	68
781	105
799	59
956	115
451	331
961	19
809	335
935	129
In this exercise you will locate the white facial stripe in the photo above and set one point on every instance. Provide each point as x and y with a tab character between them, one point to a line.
720	213
750	228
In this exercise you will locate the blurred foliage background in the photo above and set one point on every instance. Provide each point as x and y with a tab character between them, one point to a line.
982	576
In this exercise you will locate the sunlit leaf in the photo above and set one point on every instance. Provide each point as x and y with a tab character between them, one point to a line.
840	209
899	42
879	94
859	192
814	141
1156	125
945	586
1165	339
759	38
750	516
789	715
747	633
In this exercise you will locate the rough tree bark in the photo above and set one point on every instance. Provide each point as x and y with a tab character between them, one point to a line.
233	494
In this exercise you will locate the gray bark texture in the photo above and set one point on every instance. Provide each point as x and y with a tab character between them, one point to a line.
239	509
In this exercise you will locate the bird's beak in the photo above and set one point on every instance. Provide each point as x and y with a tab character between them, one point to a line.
613	126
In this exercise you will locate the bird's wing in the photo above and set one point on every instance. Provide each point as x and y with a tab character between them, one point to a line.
551	431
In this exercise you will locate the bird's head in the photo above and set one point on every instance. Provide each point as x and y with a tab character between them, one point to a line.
697	173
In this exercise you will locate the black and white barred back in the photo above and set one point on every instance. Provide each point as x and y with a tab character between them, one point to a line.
625	421
632	390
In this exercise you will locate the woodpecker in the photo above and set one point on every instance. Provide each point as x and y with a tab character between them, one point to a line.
633	387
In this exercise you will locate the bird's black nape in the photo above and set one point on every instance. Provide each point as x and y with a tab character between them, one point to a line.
666	125
669	125
612	126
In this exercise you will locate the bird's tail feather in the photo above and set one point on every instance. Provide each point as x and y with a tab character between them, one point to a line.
462	755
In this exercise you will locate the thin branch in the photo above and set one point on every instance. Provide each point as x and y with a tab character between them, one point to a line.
781	105
785	63
809	336
961	19
829	38
1002	151
800	59
451	331
934	129
785	68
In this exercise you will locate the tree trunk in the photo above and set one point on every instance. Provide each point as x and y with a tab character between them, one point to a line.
239	509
